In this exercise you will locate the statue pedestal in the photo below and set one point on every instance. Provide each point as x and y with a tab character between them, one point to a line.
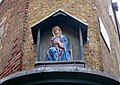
79	63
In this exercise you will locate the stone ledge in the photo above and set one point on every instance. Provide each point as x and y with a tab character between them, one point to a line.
80	63
39	74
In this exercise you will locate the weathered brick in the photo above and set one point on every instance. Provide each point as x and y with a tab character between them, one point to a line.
11	41
17	43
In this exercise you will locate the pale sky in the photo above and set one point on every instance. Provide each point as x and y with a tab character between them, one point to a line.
118	12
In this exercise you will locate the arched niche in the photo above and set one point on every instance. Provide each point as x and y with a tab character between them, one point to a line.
74	29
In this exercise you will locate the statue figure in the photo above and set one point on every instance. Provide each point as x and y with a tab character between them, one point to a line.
59	49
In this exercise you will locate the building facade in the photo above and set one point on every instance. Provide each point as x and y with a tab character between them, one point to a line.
19	19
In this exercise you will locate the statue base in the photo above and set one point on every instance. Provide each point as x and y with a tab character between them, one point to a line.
80	63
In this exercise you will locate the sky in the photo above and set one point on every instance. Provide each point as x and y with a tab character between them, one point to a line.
118	12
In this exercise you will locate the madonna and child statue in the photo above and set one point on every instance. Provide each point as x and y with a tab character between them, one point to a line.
59	48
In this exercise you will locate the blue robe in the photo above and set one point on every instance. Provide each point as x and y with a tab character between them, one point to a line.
55	54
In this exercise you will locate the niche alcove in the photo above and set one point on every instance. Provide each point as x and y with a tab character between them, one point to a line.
74	29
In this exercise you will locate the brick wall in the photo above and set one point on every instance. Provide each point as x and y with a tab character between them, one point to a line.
109	58
12	13
18	51
83	10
